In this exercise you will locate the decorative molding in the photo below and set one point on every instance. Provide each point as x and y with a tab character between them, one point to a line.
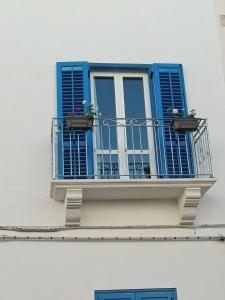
73	204
187	204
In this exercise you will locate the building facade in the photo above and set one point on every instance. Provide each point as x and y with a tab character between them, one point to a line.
220	9
133	207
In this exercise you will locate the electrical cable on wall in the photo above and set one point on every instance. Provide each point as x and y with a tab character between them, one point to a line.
61	228
218	238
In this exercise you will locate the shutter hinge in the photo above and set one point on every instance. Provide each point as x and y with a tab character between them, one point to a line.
151	75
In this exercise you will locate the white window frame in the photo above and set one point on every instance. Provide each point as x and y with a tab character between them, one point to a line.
122	150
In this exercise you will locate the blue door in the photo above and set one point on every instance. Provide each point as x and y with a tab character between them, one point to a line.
123	134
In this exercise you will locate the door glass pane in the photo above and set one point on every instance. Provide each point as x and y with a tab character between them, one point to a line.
106	107
107	166
139	166
134	103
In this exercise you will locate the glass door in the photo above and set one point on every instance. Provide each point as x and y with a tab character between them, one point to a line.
123	139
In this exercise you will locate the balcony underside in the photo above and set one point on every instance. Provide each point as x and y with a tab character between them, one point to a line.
187	193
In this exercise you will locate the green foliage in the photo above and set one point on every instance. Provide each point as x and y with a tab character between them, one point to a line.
90	112
192	114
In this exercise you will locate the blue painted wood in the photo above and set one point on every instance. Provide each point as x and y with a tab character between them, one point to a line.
144	294
73	88
120	67
155	295
111	66
168	91
115	296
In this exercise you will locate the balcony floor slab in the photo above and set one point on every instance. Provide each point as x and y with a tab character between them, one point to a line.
130	189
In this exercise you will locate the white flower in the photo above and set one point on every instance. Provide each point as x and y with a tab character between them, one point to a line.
175	111
84	102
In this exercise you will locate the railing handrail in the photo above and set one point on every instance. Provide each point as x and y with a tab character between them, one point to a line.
130	118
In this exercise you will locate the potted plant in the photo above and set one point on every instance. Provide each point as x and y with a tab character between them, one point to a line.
81	122
181	123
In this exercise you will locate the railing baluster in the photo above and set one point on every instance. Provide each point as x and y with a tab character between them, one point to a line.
62	141
53	133
209	152
171	149
86	155
110	149
71	162
102	153
179	156
78	153
164	150
155	134
206	161
193	143
202	155
198	160
141	150
134	158
187	151
124	129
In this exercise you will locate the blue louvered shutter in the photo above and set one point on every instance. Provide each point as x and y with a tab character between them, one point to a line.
75	151
113	295
156	295
149	294
174	154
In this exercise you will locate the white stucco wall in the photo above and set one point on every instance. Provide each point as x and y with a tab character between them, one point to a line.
220	10
37	34
73	271
34	36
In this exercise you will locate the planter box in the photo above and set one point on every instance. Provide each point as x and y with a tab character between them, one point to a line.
79	122
185	124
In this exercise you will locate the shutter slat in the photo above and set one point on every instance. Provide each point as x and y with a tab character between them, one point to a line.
148	294
175	158
73	88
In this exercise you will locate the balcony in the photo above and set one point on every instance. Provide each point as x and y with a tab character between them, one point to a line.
130	159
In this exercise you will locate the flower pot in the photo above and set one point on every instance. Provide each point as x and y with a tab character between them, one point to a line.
79	122
185	124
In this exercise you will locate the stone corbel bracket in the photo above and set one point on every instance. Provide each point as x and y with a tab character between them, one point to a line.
188	204
73	204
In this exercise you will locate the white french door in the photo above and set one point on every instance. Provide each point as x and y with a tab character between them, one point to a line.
123	137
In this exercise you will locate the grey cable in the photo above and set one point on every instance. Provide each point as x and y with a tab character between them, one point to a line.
62	228
5	238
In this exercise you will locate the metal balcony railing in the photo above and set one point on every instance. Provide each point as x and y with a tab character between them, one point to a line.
130	149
